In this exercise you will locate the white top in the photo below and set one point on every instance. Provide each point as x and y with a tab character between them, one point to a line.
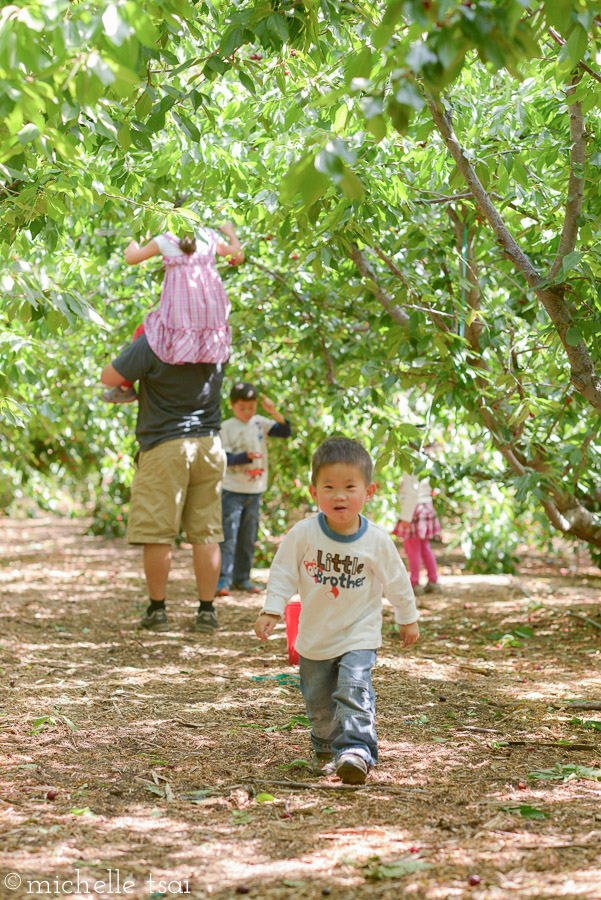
411	492
340	580
204	237
236	437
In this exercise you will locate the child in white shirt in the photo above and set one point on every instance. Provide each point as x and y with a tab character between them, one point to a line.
244	440
338	562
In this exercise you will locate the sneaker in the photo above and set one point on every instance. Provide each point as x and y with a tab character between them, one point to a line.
248	587
323	764
205	622
433	587
223	588
116	395
351	768
418	589
155	621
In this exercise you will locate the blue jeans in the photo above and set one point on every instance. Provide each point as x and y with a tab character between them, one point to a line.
341	704
240	514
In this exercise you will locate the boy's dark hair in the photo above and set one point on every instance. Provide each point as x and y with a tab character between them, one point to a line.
342	450
243	390
187	244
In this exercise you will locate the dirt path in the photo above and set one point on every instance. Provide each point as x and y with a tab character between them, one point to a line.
134	764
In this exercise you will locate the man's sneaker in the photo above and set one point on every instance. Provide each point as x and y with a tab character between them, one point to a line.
351	768
205	622
248	587
433	587
155	621
116	395
323	764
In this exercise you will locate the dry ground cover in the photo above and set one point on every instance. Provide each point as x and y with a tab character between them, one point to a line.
142	765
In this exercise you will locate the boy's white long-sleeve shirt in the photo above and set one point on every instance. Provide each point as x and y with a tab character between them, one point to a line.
340	579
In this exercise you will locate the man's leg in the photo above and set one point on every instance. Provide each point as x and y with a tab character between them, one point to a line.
157	563
207	560
202	523
247	538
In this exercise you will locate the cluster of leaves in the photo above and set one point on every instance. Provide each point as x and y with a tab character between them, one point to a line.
310	125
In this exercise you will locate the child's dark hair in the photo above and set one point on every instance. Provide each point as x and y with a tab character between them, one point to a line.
187	244
342	450
243	390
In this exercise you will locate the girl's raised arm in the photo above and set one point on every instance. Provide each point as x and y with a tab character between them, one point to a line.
233	248
135	254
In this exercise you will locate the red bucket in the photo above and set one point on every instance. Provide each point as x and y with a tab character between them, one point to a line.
292	614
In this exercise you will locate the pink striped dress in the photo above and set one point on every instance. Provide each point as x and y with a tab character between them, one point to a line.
191	323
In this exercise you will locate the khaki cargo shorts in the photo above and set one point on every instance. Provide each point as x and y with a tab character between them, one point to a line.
178	482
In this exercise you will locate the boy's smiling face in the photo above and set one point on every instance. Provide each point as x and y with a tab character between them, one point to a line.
244	410
341	492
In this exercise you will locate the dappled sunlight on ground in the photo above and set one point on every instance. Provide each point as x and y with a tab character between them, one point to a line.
147	754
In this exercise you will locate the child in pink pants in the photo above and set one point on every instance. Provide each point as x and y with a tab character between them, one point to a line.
417	524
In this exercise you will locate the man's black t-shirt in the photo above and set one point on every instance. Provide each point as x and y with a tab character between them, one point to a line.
175	401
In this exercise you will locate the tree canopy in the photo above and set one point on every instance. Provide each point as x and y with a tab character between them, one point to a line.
416	186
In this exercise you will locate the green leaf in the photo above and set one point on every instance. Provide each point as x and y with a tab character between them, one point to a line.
144	105
187	126
303	178
278	25
296	763
573	337
231	41
264	798
526	811
377	871
28	133
570	261
523	631
577	44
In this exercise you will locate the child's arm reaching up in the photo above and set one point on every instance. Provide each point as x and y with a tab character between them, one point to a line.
234	248
135	254
269	407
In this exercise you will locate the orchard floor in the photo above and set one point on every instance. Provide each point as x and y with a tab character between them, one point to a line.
133	764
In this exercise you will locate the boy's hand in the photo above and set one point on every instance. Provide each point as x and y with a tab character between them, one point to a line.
267	404
252	455
409	634
265	625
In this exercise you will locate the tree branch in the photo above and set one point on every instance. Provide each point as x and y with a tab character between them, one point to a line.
397	314
569	232
433	313
581	65
582	373
473	329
